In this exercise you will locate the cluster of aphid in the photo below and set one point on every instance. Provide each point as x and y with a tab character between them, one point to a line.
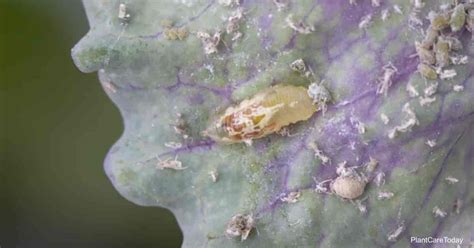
439	46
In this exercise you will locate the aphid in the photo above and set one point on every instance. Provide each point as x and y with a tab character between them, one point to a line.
210	42
365	22
385	14
439	21
427	71
385	195
441	50
430	38
233	22
348	187
426	56
298	66
292	197
458	18
451	180
393	235
398	9
376	3
454	43
448	74
439	213
123	14
171	164
318	153
385	81
320	95
371	165
299	27
431	143
458	88
431	90
214	175
384	118
240	225
426	100
263	114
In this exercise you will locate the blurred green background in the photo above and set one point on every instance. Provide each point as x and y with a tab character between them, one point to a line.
56	127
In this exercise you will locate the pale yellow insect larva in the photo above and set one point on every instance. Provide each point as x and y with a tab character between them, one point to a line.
265	113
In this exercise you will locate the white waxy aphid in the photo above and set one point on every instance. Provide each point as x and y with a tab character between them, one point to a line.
431	143
320	95
458	88
448	74
318	153
426	100
385	81
385	195
459	59
210	42
431	89
228	3
376	3
265	113
451	180
361	206
385	14
300	26
393	235
379	179
214	175
348	187
123	14
412	91
171	164
439	213
240	225
173	145
418	4
291	197
398	9
371	165
298	66
410	121
384	118
365	21
233	22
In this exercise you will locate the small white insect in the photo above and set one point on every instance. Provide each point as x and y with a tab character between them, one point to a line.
383	195
431	90
240	225
299	27
214	175
448	74
439	213
458	88
376	3
291	197
171	164
173	145
431	143
123	14
385	14
210	42
379	179
384	118
412	91
365	21
398	9
451	180
393	236
418	4
298	66
385	81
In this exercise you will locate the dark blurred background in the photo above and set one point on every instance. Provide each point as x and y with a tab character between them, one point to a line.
56	127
